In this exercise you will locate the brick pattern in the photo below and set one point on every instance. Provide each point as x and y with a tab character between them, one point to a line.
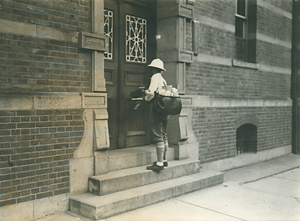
270	27
62	14
30	64
231	82
221	42
215	129
220	10
282	4
274	55
35	149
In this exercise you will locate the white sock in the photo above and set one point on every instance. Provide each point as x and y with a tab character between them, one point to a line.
159	163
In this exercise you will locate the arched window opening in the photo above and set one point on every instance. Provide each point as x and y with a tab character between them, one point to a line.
246	139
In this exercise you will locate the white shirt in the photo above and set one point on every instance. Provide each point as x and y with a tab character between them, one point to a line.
157	82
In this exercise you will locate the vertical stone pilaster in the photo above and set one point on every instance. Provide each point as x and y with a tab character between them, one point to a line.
98	80
171	48
95	105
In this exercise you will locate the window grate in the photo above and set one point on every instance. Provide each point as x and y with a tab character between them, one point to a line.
136	39
108	31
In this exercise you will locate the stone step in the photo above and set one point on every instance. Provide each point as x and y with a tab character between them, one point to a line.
126	158
101	207
129	178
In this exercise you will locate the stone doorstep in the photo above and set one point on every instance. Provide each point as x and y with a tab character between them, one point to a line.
127	158
101	207
134	177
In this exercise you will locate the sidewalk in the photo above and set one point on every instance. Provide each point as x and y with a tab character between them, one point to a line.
265	191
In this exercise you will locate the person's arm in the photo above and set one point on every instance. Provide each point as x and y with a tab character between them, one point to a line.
152	88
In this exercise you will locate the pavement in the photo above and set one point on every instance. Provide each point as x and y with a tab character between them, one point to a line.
264	191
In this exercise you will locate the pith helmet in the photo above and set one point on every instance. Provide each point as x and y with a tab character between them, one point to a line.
157	63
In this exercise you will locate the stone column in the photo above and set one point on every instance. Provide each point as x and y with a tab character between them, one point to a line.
171	48
96	135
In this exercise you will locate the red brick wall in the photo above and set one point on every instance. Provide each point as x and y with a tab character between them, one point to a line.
215	127
35	148
233	82
36	145
30	64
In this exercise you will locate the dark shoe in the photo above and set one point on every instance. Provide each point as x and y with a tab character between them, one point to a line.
155	167
165	163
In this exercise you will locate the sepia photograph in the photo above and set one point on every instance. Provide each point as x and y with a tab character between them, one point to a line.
149	110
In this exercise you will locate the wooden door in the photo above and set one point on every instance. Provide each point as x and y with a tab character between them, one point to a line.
132	30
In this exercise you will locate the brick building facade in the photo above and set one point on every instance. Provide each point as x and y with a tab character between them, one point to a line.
232	62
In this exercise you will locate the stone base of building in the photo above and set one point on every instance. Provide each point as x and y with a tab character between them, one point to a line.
35	209
247	159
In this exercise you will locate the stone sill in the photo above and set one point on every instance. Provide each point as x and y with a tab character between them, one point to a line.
243	64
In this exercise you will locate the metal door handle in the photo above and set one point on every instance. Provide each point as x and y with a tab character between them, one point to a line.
137	99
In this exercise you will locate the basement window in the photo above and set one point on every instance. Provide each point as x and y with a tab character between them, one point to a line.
246	139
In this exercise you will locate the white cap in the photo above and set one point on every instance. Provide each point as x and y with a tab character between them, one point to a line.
157	63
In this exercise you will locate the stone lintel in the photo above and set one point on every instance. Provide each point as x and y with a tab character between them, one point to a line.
91	41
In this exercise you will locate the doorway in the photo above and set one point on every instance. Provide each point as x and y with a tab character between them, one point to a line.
131	29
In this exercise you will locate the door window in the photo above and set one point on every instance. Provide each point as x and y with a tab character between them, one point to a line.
136	39
108	31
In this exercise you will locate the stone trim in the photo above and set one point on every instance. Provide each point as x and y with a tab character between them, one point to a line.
214	23
274	9
54	101
98	79
96	42
246	119
94	100
205	58
229	62
177	10
247	159
178	55
231	28
186	11
275	41
101	129
243	64
35	209
39	31
277	70
207	102
41	101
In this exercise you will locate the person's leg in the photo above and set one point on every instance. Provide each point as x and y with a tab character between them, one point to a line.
160	153
166	144
156	126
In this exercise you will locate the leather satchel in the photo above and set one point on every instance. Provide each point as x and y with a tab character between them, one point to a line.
167	105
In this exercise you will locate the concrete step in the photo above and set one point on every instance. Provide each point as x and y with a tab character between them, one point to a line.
101	207
134	177
127	158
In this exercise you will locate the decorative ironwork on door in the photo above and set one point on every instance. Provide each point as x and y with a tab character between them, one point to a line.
136	39
108	31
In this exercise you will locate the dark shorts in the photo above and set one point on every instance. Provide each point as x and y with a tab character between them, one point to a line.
158	124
